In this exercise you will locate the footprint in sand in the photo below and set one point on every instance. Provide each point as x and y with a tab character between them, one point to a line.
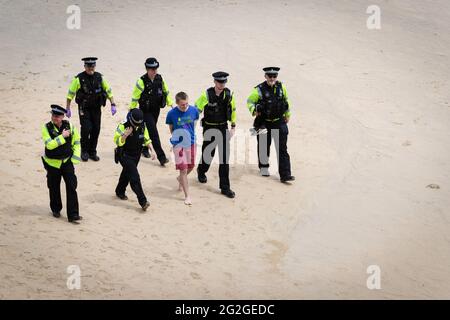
274	257
433	186
195	275
228	275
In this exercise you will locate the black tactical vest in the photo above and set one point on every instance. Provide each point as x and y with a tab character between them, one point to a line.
153	96
63	151
91	93
218	109
134	142
273	102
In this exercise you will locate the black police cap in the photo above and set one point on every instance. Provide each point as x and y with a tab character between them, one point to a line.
58	110
90	60
151	63
136	116
220	76
271	70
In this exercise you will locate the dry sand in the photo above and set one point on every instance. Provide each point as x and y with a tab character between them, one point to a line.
369	132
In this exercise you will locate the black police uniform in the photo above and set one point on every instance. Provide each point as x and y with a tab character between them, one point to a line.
273	105
152	100
66	171
90	98
130	154
217	113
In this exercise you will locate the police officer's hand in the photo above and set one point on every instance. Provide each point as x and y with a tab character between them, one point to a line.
128	131
66	133
113	109
286	119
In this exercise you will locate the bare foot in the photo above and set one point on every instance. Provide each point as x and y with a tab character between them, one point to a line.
188	201
180	188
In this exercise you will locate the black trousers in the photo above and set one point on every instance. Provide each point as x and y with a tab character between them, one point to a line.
130	175
67	172
151	119
90	122
278	131
216	136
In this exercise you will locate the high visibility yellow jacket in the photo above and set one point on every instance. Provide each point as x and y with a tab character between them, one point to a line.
139	87
202	101
121	130
255	97
51	144
75	86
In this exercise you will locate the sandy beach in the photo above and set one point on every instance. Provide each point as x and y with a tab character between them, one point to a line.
368	140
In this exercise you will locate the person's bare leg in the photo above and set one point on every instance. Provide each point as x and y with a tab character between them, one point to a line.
180	181
185	186
180	187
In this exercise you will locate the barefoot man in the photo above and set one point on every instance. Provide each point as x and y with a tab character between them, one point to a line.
181	121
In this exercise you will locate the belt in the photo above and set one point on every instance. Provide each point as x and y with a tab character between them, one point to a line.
216	124
272	120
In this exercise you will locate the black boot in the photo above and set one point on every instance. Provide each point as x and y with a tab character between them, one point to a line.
201	177
287	179
228	193
163	161
145	206
122	196
75	220
145	152
94	156
84	156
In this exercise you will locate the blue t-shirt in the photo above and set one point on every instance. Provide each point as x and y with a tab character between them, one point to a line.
183	125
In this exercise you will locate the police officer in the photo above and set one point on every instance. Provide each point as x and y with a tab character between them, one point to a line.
62	151
219	108
91	90
130	137
152	94
270	101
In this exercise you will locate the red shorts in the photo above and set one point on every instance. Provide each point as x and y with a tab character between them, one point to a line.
185	157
